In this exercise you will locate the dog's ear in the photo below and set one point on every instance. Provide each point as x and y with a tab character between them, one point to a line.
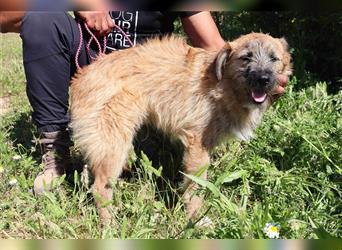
284	43
221	60
286	57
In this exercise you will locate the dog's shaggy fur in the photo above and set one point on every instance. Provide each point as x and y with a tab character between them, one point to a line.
198	96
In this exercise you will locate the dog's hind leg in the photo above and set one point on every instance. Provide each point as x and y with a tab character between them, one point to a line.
118	122
195	157
106	172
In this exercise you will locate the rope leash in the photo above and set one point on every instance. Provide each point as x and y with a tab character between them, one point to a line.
79	47
94	38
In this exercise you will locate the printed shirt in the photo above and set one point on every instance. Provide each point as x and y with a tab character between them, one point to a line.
140	25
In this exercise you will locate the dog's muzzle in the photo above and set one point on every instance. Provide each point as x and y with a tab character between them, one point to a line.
261	82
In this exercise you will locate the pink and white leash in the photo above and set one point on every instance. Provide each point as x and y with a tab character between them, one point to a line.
93	37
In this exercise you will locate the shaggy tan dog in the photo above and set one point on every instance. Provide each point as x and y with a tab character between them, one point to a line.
197	96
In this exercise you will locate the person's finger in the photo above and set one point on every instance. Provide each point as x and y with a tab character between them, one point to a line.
110	21
90	23
282	80
105	27
279	90
98	24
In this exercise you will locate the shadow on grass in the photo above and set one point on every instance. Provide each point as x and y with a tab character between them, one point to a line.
165	152
22	132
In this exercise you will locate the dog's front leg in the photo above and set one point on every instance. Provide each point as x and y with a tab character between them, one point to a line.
195	157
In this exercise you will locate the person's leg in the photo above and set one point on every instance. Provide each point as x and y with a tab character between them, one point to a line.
50	41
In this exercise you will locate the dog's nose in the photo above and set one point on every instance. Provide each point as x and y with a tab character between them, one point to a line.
264	79
260	77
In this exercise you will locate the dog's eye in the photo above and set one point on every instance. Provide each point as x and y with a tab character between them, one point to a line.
247	57
273	58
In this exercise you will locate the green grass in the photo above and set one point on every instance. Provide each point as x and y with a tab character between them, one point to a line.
289	174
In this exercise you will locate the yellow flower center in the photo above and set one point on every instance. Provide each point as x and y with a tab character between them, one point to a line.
274	229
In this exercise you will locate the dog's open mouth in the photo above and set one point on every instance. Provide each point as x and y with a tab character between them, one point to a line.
259	96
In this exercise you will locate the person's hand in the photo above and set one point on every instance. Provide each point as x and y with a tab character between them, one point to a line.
99	21
282	81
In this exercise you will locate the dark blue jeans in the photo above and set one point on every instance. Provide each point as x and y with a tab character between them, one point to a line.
50	41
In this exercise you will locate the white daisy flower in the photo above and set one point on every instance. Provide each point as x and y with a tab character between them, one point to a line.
272	230
205	222
16	157
13	182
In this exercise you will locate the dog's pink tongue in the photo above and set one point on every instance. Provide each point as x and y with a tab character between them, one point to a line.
259	97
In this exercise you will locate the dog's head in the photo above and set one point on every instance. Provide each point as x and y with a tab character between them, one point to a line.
251	64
